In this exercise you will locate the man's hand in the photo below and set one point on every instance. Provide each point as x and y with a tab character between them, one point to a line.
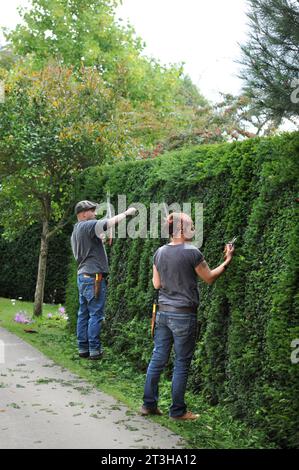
118	218
103	237
131	211
229	251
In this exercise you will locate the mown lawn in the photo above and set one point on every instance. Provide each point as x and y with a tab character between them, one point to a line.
216	429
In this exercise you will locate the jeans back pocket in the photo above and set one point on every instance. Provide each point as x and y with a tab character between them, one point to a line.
179	327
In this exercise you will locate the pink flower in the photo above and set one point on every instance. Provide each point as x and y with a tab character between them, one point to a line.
61	310
20	317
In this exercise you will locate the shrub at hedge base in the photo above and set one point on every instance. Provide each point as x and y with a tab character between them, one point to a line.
250	316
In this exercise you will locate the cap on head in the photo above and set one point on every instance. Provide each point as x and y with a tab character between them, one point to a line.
84	206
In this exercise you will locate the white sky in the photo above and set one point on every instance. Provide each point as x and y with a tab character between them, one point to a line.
204	34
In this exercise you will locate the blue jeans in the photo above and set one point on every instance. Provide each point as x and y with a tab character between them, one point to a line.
178	329
90	315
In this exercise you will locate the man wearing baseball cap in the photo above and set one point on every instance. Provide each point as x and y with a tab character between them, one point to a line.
90	254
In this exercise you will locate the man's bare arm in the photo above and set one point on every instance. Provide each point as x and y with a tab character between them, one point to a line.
119	217
156	278
210	275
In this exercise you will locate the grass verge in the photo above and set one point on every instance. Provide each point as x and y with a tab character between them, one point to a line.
216	428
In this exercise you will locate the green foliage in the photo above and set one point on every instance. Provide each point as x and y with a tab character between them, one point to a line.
19	262
158	107
53	124
68	29
249	317
72	299
132	336
270	57
153	100
80	32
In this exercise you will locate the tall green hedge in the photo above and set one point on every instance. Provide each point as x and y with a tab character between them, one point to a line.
19	263
249	317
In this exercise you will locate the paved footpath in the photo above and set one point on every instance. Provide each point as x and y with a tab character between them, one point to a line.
43	406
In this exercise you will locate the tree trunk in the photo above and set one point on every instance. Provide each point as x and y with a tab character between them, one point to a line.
41	275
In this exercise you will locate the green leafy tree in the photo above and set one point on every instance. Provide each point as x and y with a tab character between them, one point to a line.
159	99
7	57
54	123
270	57
234	118
74	30
160	106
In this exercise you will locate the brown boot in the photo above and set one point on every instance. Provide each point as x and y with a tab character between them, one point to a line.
147	411
188	416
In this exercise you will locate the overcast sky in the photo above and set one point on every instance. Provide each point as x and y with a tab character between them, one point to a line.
204	34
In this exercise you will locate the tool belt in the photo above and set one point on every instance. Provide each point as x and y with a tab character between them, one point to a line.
153	324
97	282
104	275
169	308
97	285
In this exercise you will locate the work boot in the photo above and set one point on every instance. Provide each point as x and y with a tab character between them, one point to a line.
188	416
147	411
84	355
96	357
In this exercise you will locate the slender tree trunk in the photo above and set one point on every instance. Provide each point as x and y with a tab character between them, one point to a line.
42	265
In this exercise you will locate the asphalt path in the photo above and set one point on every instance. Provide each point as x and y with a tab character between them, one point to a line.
43	406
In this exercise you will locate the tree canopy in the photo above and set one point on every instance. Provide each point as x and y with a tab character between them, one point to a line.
54	123
78	32
270	57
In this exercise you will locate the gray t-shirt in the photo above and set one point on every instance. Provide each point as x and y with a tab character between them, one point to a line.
88	248
176	266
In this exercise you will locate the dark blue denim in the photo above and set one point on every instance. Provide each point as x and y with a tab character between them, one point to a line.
178	329
90	315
